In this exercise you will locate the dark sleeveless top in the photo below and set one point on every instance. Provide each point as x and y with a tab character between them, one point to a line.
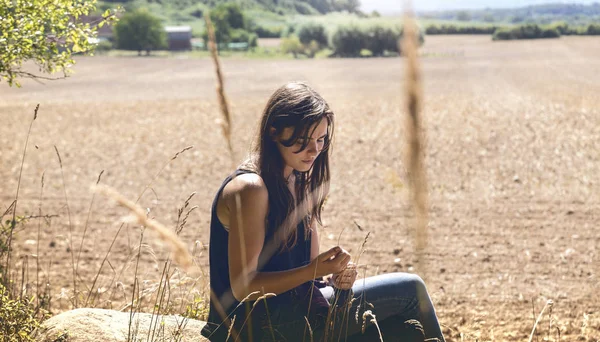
285	307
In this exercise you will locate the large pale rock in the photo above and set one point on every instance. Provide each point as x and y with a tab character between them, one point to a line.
99	325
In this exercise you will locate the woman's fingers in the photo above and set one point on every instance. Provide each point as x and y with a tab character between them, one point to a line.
342	262
330	253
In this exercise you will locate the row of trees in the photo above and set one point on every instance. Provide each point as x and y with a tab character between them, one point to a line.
528	31
350	40
454	29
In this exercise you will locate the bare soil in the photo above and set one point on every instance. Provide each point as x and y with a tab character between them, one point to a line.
513	164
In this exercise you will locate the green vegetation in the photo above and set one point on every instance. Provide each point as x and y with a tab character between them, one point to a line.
530	31
349	40
312	32
140	31
18	318
231	26
508	32
48	35
455	29
573	14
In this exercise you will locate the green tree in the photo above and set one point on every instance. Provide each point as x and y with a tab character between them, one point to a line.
48	35
348	40
140	31
313	31
231	25
233	14
291	44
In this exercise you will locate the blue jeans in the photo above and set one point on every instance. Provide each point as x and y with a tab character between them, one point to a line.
393	298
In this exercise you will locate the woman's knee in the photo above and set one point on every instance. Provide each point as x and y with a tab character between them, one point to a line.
416	286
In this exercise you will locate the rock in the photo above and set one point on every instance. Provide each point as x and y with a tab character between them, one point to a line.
83	325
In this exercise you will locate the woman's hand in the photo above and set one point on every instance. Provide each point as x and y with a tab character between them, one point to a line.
331	261
345	279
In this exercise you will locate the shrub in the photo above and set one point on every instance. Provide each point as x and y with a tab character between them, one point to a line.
268	32
291	44
593	30
381	39
288	30
550	33
349	40
140	31
312	48
503	34
565	30
17	317
313	32
529	31
252	40
452	29
239	36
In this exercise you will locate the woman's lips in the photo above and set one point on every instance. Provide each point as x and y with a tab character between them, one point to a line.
308	161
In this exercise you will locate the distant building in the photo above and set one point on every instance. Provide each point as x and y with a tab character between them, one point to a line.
179	37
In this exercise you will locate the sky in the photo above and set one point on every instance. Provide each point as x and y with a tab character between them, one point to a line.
395	6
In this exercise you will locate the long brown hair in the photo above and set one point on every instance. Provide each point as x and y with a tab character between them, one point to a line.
298	106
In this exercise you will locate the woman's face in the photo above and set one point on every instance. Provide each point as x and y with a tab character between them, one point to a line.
302	161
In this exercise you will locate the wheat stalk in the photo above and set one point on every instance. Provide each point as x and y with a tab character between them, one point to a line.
223	104
415	145
181	255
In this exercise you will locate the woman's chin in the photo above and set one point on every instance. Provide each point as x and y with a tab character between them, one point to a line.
303	168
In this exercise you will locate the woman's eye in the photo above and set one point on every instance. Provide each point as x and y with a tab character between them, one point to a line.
320	141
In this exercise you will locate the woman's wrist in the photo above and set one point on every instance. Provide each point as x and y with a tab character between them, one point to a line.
308	273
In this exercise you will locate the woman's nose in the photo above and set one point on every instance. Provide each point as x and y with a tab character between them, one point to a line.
313	147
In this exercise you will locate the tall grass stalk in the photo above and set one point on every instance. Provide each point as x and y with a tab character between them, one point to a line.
105	259
87	221
539	318
180	253
37	248
70	227
226	129
223	104
13	222
414	134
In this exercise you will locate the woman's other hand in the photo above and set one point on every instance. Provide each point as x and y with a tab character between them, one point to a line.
345	279
331	261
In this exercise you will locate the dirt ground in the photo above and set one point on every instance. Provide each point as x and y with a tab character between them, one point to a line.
513	164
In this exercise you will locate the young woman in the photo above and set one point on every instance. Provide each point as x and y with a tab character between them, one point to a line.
265	263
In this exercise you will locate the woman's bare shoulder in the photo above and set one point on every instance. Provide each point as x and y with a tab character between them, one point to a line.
250	186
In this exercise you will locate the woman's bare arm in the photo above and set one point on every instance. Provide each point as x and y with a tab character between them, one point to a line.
247	199
314	239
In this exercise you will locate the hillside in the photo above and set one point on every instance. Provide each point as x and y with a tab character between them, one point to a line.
540	14
280	7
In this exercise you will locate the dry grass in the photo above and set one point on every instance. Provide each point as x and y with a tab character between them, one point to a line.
512	167
180	252
415	145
